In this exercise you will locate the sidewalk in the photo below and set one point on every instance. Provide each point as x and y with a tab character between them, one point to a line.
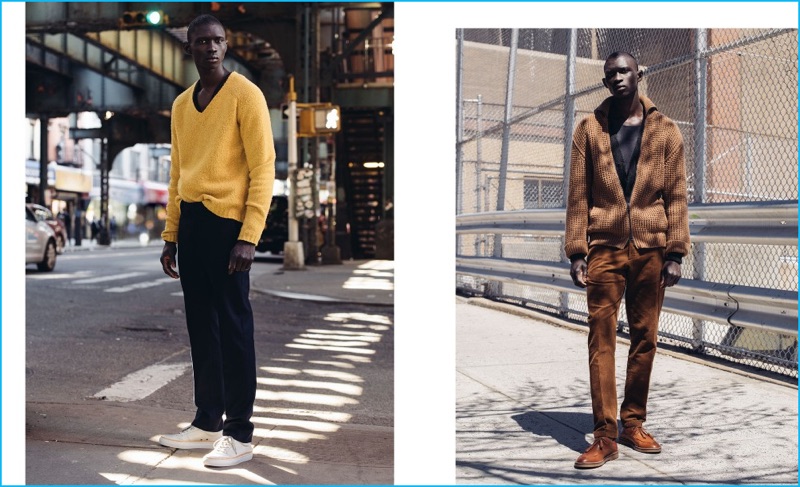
523	412
125	243
356	282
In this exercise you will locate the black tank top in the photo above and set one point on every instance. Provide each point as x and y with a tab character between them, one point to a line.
626	145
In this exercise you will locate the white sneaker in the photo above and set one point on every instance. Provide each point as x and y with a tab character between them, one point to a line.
191	438
228	452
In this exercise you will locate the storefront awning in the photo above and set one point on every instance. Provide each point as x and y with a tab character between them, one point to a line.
155	193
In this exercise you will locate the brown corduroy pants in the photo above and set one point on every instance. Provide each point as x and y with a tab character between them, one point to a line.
636	273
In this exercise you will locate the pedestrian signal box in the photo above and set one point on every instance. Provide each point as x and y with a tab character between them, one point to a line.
319	120
143	18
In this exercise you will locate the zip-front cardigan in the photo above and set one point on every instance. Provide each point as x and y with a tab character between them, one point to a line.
597	213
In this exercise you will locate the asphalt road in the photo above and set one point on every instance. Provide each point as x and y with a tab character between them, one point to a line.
104	315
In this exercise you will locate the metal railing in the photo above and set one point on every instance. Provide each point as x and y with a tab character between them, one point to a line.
733	305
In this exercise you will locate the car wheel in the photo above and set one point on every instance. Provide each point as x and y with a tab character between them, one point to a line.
49	262
60	244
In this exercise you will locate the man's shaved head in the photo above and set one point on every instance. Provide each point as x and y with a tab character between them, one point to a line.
616	54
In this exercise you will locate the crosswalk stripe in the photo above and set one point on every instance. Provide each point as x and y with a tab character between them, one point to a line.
140	285
116	277
142	383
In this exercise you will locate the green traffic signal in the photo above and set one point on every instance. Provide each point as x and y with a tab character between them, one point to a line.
154	17
149	18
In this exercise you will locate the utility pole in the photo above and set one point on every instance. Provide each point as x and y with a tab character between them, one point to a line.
293	258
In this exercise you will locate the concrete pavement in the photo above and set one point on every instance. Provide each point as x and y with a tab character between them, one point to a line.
103	442
523	412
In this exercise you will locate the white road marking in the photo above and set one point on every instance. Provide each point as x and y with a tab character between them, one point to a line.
102	255
57	275
142	383
93	280
140	285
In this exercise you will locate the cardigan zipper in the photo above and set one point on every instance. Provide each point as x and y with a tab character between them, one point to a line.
630	221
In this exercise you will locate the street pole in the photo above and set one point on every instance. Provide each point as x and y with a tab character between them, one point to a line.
43	160
331	254
293	249
103	238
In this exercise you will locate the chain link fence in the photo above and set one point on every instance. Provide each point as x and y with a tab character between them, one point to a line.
732	92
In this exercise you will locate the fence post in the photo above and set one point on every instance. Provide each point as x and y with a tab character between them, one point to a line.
569	124
501	188
478	168
459	126
479	153
700	114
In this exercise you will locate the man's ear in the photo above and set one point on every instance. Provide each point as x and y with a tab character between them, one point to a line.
639	75
605	83
187	48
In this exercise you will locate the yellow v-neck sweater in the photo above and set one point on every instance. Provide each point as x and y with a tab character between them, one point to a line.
223	156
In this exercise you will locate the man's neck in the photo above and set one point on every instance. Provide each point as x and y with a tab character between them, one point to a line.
628	109
209	80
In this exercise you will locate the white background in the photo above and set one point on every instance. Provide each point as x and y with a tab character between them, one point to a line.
424	204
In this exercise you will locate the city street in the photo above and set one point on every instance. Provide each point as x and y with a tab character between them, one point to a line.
108	370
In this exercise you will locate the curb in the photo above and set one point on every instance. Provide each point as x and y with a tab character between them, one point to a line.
317	298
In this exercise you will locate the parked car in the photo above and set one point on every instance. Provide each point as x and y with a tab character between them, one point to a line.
276	232
43	214
40	243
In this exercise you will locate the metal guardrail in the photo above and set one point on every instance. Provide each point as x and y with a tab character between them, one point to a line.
769	223
773	223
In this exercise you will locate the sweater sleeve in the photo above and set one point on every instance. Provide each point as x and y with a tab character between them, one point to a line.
255	129
575	238
675	196
170	233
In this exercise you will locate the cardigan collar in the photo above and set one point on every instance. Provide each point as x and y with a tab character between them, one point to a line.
605	107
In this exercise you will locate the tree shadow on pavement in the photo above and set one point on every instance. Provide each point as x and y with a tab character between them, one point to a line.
716	428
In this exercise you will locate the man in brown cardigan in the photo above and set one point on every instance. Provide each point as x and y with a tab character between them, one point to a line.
626	233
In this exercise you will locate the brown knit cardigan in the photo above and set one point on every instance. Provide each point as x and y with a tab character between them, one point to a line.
597	213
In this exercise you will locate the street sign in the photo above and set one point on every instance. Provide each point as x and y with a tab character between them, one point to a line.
77	134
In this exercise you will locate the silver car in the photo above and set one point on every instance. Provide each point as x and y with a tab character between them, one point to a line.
40	243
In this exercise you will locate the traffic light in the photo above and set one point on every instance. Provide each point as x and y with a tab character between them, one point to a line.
319	120
143	18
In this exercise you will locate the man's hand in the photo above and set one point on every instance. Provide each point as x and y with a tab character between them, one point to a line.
578	272
670	273
168	261
242	256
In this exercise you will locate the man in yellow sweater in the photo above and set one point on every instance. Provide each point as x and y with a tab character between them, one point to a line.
626	233
221	179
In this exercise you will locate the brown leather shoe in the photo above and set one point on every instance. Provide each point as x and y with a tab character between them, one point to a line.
639	439
601	451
